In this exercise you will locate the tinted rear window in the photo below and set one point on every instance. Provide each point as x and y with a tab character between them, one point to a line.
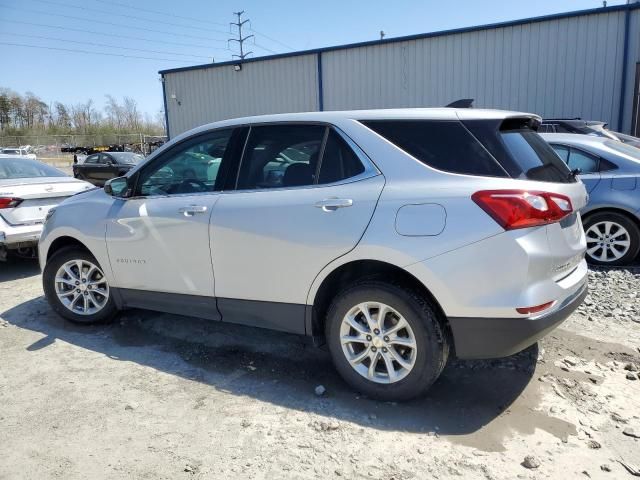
520	150
444	145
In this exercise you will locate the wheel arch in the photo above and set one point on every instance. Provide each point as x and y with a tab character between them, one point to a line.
612	209
351	272
63	242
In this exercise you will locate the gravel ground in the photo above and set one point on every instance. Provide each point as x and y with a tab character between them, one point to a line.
162	396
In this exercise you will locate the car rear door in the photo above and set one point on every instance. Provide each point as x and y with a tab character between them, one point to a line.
158	241
304	196
89	168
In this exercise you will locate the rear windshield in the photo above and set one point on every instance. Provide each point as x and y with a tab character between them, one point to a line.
520	150
444	145
23	168
624	148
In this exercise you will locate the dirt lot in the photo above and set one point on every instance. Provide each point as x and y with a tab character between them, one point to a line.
161	396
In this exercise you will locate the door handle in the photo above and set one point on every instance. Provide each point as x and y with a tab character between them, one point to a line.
332	204
191	210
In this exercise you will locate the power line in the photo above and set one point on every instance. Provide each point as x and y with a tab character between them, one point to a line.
271	38
157	12
193	19
102	45
240	38
111	23
79	7
129	37
265	48
91	53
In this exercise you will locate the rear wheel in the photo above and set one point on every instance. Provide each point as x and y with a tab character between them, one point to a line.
612	239
76	288
386	341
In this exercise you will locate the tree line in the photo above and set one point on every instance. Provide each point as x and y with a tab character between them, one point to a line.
28	114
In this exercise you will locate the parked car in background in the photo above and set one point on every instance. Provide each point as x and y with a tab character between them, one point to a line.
628	139
610	170
586	127
396	236
22	152
28	190
575	125
100	167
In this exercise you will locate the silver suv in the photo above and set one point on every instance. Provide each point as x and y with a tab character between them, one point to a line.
398	237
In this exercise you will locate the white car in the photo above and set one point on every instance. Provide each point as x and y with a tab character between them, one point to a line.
22	152
28	189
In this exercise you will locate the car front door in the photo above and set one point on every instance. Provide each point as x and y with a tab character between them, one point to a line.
158	240
304	196
111	167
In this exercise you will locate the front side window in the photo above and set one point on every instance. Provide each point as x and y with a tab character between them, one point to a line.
92	159
192	169
281	156
583	161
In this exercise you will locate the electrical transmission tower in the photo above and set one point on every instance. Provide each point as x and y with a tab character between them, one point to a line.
240	38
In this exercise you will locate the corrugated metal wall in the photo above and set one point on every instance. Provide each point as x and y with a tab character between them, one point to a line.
566	67
634	58
561	67
207	95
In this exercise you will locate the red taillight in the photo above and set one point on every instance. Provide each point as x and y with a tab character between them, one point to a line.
536	309
8	202
522	208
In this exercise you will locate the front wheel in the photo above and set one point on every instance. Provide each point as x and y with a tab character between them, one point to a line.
76	288
612	239
386	341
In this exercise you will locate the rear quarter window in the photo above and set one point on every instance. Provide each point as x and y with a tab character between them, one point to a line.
520	150
443	145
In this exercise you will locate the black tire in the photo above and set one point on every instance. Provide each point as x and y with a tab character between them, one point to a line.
106	314
431	339
629	225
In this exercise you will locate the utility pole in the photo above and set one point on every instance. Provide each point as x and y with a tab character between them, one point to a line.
240	38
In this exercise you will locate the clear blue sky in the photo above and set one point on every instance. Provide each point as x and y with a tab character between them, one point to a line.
73	77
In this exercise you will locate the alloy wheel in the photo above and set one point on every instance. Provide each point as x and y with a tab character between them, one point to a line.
607	241
378	342
81	287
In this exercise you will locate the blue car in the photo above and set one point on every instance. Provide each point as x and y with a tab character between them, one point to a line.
610	171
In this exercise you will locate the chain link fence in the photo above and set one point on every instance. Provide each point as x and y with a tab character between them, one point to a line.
59	149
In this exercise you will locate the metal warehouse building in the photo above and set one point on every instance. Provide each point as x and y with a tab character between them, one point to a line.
580	64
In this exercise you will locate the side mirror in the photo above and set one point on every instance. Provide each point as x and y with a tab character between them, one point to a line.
118	187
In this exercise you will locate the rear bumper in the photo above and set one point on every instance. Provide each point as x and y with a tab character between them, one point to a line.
476	338
19	235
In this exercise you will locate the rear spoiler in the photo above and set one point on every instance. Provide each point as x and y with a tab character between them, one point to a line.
462	103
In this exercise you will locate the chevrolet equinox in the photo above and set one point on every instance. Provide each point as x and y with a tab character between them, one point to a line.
398	237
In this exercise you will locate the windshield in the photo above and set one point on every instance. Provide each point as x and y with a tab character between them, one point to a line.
23	168
624	148
126	157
